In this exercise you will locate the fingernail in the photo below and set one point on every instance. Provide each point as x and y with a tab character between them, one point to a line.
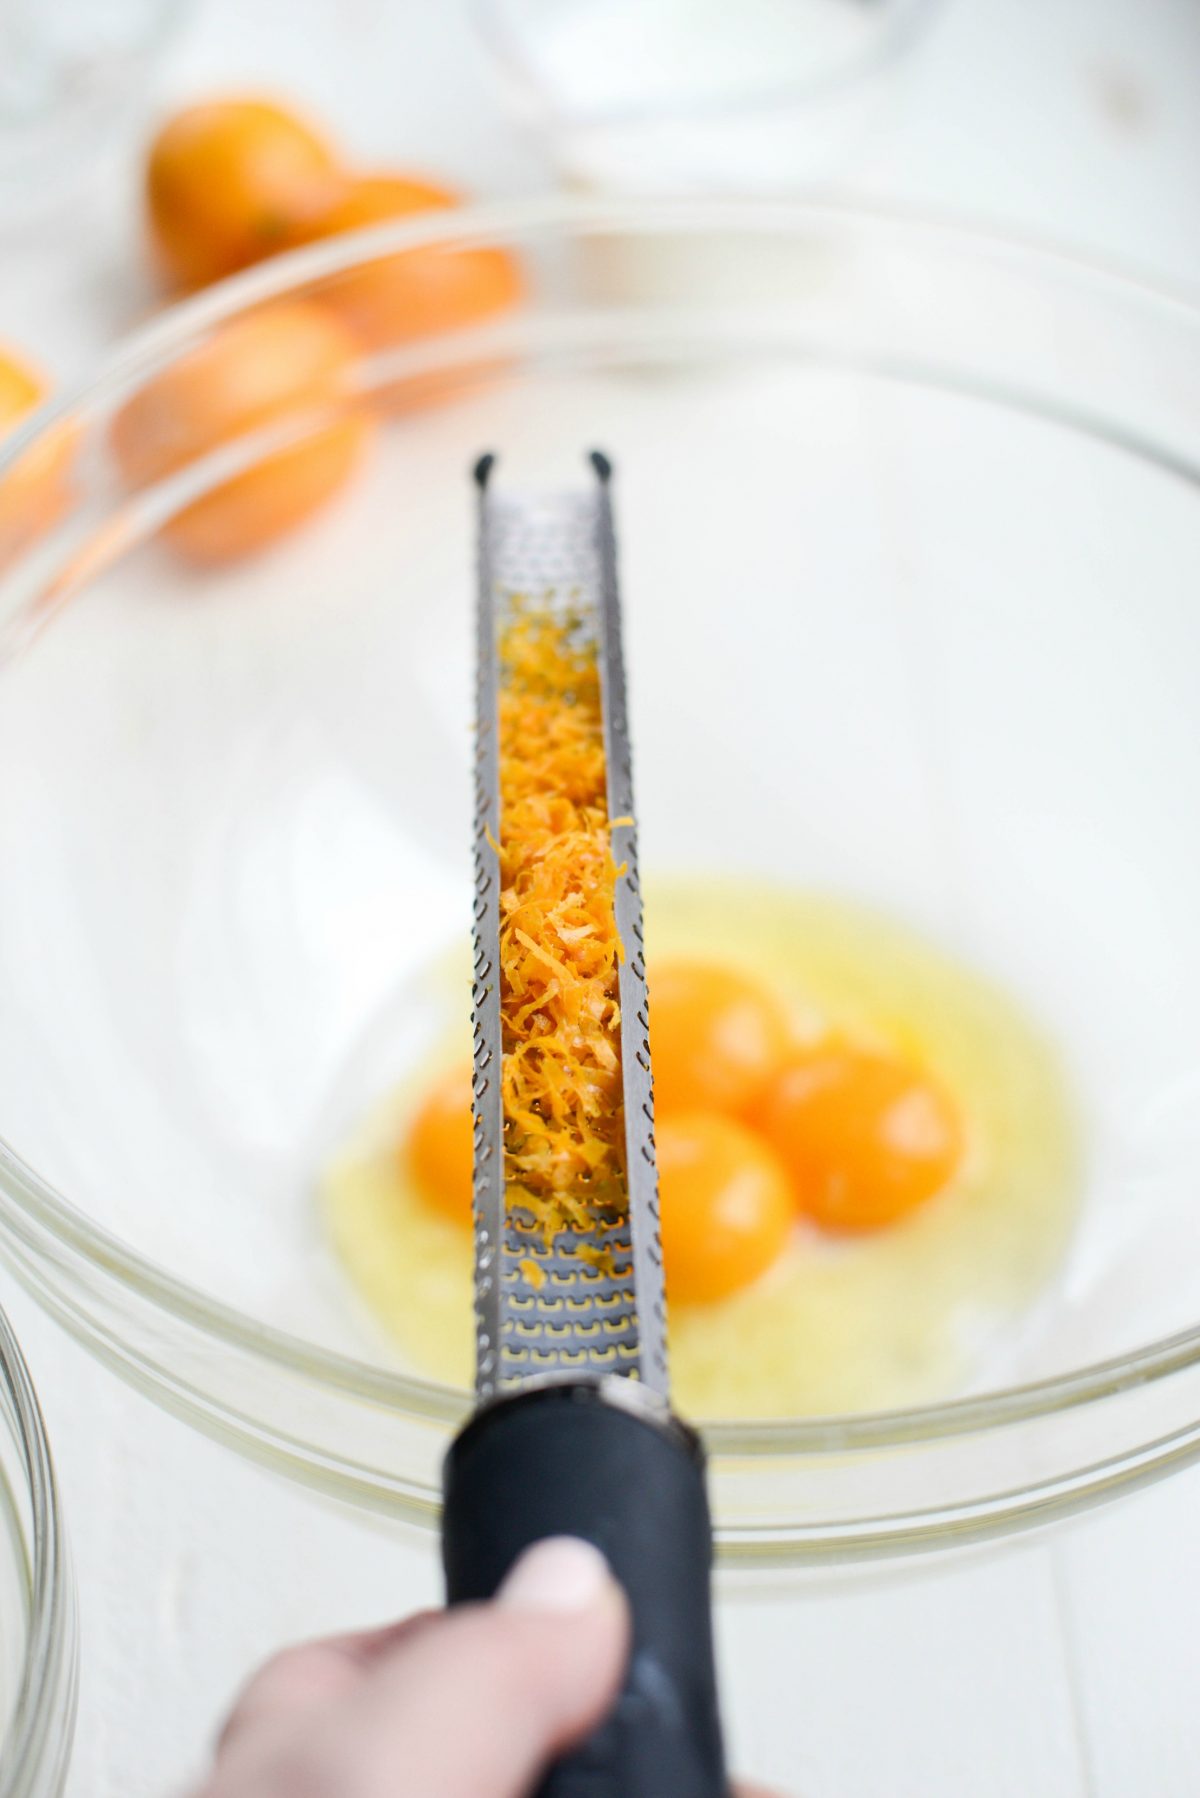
561	1574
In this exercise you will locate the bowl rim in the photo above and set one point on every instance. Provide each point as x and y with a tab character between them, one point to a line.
481	226
478	227
36	1748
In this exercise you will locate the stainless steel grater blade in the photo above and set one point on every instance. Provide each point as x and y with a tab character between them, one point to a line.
573	1433
559	551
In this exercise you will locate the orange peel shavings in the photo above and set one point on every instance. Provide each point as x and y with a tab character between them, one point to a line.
564	1126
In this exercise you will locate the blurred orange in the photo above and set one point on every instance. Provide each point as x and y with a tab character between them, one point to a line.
34	491
414	292
280	363
228	182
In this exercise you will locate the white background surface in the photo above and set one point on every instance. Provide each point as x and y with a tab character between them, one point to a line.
1060	1668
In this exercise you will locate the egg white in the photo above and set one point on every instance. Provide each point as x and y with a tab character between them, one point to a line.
905	1315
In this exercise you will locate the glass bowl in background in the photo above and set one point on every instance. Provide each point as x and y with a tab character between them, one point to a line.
37	1597
909	527
654	96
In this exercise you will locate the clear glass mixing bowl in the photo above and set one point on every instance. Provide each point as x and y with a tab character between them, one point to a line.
37	1596
910	533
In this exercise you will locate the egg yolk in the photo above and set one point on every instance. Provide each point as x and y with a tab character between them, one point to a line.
725	1203
865	1138
716	1037
439	1149
853	1138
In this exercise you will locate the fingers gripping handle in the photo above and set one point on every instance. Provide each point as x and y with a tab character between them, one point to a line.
567	1460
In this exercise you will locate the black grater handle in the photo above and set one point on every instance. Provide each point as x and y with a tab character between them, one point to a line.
594	1460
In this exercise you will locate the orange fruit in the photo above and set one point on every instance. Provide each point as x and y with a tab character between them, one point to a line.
412	293
21	389
865	1138
228	181
716	1037
725	1202
35	490
439	1148
280	364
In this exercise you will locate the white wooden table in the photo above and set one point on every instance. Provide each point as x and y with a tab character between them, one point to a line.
1059	1668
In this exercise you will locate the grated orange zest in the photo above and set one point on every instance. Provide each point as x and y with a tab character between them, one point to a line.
559	948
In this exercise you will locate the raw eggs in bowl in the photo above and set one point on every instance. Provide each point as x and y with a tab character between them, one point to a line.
909	531
867	1158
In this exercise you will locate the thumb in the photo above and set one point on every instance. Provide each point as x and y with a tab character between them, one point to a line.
475	1704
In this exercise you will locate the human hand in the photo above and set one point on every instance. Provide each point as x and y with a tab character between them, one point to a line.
470	1703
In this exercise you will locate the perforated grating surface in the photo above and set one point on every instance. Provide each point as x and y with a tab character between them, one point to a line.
559	550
